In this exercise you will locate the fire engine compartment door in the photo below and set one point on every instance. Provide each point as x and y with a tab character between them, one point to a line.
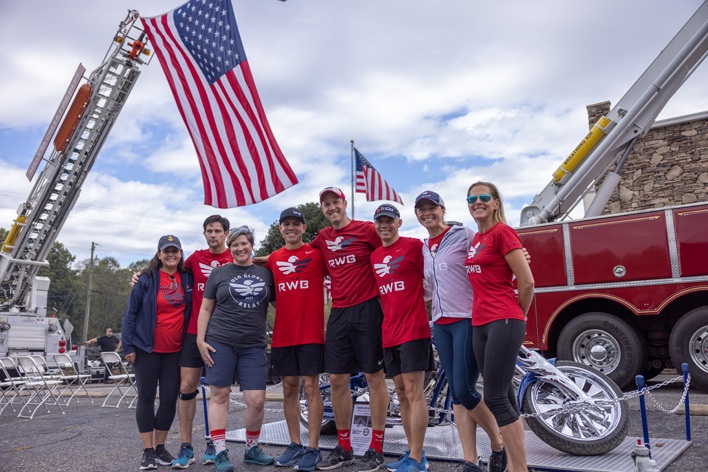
692	239
26	336
621	249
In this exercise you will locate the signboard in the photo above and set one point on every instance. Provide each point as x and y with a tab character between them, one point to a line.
361	429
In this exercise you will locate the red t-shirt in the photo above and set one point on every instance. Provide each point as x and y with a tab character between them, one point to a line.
346	253
398	270
299	294
491	276
201	263
169	327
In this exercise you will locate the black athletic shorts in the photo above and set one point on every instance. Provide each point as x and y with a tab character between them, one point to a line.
303	359
413	356
190	356
353	339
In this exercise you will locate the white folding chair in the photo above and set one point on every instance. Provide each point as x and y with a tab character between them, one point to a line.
42	391
124	380
13	384
73	381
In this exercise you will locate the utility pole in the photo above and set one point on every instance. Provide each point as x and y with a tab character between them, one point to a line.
89	289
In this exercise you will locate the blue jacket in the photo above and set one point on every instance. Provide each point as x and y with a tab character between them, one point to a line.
141	313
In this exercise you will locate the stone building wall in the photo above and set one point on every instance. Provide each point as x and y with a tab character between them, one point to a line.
669	166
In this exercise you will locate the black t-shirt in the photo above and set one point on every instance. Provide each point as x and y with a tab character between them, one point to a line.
242	295
108	343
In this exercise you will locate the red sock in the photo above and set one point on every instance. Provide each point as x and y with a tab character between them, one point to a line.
344	440
218	437
377	440
252	438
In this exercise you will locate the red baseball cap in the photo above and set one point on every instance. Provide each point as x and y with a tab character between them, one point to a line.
335	190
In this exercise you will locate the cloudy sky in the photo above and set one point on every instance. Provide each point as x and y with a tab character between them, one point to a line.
436	94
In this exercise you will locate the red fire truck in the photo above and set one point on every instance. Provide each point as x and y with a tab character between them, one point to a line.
628	293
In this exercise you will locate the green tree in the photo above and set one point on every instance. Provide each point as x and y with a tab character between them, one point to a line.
314	218
3	235
64	282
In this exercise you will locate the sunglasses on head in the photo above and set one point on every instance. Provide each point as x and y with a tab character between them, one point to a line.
241	230
485	197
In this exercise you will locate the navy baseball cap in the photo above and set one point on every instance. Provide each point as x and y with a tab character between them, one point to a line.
432	196
292	213
387	210
168	241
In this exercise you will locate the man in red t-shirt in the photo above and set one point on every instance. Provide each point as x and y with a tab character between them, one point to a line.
398	270
353	341
201	263
297	347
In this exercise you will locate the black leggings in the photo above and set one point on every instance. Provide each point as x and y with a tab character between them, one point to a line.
496	346
152	368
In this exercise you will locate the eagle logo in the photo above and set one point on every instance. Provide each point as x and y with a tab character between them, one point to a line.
339	243
206	268
248	287
388	266
475	249
293	265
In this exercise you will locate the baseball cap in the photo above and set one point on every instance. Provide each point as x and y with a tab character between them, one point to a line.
292	213
387	210
169	241
432	196
335	190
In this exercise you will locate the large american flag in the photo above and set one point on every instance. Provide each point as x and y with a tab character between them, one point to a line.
369	181
202	55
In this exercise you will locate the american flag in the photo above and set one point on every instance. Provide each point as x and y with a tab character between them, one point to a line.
370	182
202	55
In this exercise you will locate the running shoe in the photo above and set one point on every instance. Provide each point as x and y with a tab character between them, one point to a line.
309	461
291	456
185	456
337	458
256	455
222	462
372	460
209	454
148	461
162	456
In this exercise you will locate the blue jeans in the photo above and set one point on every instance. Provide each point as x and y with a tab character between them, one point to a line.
454	345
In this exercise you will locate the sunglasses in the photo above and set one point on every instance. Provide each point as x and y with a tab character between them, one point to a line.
241	230
173	284
485	197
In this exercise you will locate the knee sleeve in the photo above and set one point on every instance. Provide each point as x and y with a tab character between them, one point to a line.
188	396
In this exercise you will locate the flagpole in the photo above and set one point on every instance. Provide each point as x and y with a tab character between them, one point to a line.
353	172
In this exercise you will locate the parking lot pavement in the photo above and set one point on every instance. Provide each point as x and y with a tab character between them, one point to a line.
91	438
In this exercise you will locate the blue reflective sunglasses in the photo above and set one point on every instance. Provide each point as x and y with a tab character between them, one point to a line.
485	197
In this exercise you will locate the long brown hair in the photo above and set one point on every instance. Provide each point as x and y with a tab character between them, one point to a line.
498	215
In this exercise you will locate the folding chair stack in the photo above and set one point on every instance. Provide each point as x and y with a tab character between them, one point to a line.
42	390
73	381
124	381
10	385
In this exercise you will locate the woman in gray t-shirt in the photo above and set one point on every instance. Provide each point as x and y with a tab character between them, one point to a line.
232	340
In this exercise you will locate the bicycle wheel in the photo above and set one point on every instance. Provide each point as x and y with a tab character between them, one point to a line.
584	430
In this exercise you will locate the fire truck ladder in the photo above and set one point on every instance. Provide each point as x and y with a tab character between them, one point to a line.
55	192
631	118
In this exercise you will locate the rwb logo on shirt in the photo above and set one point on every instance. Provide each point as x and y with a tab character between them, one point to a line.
397	286
338	261
388	266
206	272
293	265
475	249
339	243
247	290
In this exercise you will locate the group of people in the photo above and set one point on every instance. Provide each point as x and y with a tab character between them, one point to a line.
378	325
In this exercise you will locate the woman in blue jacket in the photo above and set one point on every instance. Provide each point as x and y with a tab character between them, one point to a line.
154	325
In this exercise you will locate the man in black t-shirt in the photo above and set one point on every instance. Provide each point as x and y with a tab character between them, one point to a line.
107	343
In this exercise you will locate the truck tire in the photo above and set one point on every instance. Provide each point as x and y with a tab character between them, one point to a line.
605	343
688	343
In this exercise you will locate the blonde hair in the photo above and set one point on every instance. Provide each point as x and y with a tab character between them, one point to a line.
498	215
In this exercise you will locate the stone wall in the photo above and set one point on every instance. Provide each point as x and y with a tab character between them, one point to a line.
669	166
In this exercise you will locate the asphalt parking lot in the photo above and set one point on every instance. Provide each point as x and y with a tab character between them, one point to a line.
91	438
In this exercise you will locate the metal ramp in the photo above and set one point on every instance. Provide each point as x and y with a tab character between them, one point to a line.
442	443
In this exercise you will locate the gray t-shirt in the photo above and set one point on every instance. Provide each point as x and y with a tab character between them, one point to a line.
242	295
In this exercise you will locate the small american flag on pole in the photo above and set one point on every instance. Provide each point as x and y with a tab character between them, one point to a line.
370	182
201	53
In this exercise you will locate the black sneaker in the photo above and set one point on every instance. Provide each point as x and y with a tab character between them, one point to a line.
497	461
469	466
372	461
148	461
336	458
163	457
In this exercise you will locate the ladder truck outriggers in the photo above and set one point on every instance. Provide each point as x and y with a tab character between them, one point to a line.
25	327
624	293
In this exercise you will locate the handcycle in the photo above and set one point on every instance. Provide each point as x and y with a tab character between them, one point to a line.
568	405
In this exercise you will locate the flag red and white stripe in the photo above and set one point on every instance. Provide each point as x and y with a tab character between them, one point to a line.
369	181
202	56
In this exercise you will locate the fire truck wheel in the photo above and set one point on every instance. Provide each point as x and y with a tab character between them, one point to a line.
605	343
689	343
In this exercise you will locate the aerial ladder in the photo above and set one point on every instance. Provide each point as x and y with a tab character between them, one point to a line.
605	148
78	141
